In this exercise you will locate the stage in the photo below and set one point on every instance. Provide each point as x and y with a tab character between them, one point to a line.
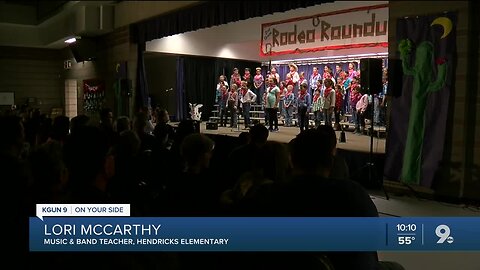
354	142
355	151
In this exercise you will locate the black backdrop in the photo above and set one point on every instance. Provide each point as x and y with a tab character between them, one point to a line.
199	77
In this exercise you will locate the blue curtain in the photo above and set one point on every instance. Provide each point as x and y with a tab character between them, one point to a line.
307	68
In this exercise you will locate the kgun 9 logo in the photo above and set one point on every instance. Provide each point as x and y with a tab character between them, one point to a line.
443	232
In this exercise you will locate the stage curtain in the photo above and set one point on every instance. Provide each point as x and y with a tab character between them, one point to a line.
199	83
418	123
208	14
181	111
141	95
203	15
197	78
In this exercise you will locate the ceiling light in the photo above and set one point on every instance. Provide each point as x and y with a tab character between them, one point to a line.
70	40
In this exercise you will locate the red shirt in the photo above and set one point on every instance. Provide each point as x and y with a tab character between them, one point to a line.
338	100
236	79
289	82
354	98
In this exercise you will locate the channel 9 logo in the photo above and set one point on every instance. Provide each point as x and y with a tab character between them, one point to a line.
443	232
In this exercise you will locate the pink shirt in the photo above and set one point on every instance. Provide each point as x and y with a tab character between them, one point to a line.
258	80
352	73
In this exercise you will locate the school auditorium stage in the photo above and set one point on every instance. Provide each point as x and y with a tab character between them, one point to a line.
354	142
356	151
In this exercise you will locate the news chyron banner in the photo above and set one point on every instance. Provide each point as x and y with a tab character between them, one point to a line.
92	227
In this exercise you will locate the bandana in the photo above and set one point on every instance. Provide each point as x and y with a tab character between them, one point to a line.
303	93
244	92
327	92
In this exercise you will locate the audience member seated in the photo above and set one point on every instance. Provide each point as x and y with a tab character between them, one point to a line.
14	183
60	129
44	130
122	124
340	168
311	192
77	122
90	165
164	162
139	125
241	158
272	165
49	174
31	123
162	125
195	192
106	125
244	138
126	152
185	128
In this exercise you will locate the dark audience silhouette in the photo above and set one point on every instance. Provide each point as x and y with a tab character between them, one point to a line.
176	172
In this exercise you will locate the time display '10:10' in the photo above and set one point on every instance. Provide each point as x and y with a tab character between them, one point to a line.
406	227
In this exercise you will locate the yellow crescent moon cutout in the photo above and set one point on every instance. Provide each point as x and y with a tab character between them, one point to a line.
117	67
446	23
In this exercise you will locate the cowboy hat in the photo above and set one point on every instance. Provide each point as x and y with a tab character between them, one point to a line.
294	66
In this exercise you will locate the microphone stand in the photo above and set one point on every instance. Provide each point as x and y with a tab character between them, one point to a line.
370	165
238	113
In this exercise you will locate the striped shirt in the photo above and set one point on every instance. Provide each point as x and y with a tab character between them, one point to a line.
289	99
317	104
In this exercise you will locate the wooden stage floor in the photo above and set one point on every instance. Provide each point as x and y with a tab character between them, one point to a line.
354	142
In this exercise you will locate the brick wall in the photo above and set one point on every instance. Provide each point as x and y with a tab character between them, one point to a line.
34	75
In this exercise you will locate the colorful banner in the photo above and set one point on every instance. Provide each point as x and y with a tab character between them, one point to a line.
353	28
93	95
416	138
253	234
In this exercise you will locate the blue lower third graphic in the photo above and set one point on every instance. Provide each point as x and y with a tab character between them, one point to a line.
253	234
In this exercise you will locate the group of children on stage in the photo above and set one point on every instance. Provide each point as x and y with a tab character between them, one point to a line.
328	95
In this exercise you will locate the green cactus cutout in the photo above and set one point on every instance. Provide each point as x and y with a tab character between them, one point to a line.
423	85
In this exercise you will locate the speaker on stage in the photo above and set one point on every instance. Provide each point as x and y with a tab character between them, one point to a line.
343	137
84	49
212	126
188	126
395	77
371	75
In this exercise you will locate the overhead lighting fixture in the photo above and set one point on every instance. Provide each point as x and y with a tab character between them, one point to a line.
70	40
